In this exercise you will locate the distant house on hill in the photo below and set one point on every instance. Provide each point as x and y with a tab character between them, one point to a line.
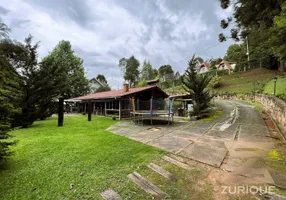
204	67
95	84
226	65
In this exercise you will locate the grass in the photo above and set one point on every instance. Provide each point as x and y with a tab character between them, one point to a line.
257	105
243	82
76	161
213	116
280	86
190	185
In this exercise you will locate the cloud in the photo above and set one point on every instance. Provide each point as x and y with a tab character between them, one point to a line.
103	31
3	11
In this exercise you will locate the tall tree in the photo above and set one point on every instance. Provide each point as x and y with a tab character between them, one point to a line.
9	89
101	78
147	72
236	53
197	86
23	59
130	67
166	72
70	68
255	26
278	36
155	72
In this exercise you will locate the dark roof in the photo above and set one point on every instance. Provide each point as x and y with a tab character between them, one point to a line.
118	93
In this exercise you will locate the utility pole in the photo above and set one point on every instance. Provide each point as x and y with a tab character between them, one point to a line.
247	53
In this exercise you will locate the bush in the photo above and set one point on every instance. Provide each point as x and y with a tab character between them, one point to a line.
142	83
215	82
114	118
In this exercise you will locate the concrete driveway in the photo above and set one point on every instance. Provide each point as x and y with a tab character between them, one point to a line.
231	142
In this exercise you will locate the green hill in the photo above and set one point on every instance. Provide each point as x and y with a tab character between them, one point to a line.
243	82
280	86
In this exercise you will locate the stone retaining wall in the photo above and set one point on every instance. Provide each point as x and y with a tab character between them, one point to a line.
274	106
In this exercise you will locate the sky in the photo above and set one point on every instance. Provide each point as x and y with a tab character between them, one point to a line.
104	31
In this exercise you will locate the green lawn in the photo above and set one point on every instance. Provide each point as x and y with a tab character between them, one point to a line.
48	159
280	86
243	82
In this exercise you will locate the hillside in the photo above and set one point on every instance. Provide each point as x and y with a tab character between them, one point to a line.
280	86
243	82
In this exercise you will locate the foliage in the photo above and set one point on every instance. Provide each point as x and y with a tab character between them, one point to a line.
264	27
215	82
166	72
59	74
103	89
155	72
196	85
142	83
9	90
22	61
101	78
278	38
130	67
9	84
70	68
31	84
237	53
147	72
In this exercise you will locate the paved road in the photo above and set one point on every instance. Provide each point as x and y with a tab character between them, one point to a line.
238	133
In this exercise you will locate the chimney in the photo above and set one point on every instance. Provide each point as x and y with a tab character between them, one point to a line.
125	87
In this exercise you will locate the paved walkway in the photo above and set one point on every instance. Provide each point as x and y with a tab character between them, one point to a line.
230	142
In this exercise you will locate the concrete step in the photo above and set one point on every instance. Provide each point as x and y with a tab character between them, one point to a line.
110	194
161	171
147	186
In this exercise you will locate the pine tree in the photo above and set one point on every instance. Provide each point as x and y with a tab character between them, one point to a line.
9	92
196	85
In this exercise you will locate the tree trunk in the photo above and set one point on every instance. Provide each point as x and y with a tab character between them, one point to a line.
61	112
282	66
89	111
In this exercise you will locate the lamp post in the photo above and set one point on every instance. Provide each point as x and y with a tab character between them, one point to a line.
275	80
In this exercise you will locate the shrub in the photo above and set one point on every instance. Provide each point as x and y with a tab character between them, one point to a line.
142	83
215	82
